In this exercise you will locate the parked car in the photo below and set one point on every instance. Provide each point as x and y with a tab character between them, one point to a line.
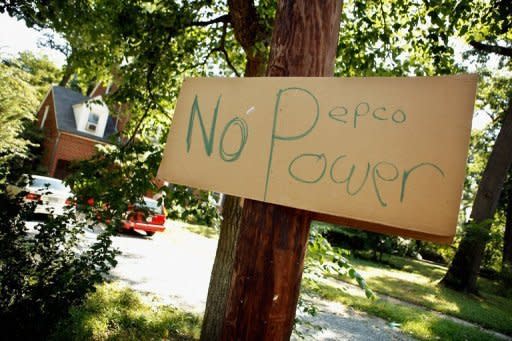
50	195
149	217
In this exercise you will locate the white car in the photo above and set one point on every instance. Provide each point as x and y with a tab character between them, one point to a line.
50	195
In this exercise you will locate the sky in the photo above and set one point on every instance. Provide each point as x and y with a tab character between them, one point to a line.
16	37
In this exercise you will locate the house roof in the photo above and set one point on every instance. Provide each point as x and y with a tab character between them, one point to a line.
64	100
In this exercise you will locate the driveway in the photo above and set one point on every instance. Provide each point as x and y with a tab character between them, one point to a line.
176	266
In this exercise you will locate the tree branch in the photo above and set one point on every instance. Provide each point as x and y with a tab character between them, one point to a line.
228	61
501	50
222	19
222	48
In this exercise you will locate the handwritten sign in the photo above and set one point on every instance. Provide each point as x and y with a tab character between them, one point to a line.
386	151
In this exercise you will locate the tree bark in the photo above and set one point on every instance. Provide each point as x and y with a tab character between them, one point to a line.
251	35
248	32
220	279
265	283
463	271
305	38
272	239
506	265
68	72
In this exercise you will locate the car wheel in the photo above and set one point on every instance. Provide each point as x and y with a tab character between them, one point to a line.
149	234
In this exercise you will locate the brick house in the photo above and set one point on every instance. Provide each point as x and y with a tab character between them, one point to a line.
73	124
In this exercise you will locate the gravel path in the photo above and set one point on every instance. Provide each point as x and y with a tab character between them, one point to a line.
356	291
175	266
338	322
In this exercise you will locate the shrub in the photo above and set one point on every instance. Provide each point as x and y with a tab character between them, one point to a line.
195	207
46	270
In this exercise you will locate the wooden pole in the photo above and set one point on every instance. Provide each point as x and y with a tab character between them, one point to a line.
271	245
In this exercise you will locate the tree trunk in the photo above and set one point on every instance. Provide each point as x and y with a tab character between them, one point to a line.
266	277
248	32
68	72
222	269
272	239
463	271
506	265
251	34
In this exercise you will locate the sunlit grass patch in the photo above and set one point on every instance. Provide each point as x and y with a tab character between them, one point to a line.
115	313
417	282
421	324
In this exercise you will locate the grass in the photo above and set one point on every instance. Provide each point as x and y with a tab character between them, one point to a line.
417	282
421	324
115	313
205	231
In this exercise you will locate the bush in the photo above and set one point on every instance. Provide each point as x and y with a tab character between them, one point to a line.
358	240
46	270
372	246
195	207
442	254
492	258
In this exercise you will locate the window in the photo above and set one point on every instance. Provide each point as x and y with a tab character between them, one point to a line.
92	122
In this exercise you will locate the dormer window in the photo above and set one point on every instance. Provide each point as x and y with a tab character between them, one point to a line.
92	122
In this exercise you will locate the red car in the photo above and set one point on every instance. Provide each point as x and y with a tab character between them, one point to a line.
149	218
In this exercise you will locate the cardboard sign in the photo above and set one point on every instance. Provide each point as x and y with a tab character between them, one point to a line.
384	151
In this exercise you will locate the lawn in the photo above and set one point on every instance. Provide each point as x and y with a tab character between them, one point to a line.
417	282
117	313
203	230
420	324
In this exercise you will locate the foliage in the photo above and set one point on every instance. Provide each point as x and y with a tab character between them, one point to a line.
441	254
118	176
487	26
23	81
46	269
116	313
322	259
377	244
114	178
146	58
395	38
491	262
41	70
493	96
17	104
193	206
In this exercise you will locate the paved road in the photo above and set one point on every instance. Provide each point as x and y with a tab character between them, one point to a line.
176	266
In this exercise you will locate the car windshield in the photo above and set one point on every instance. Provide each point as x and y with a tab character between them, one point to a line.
54	184
153	205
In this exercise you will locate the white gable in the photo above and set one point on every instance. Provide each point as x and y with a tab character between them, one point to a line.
91	116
